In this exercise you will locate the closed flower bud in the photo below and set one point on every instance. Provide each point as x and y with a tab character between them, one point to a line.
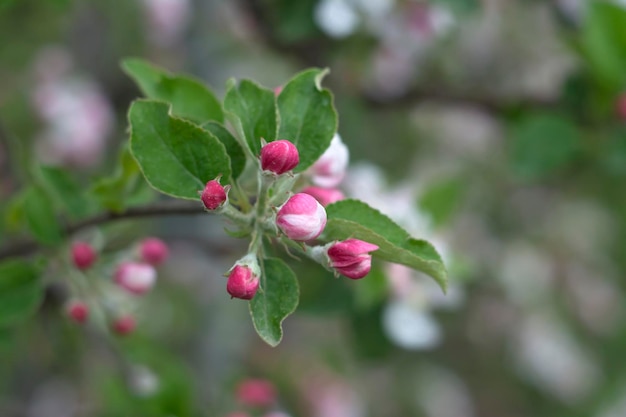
325	196
328	171
351	257
83	255
153	251
124	325
136	278
256	393
214	195
279	157
243	278
78	311
301	218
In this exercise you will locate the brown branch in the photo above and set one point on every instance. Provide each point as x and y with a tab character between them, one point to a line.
164	208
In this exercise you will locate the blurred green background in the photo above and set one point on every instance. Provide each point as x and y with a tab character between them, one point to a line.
494	128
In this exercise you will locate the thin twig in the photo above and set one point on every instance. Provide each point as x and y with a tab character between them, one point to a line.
163	208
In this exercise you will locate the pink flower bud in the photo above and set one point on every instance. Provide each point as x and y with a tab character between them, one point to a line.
83	255
243	278
214	195
78	311
278	90
328	171
301	218
325	196
351	257
256	393
153	251
279	157
124	325
136	278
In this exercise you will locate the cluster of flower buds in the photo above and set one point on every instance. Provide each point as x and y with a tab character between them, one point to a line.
134	277
301	218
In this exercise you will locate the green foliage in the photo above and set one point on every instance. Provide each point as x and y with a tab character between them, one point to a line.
277	298
353	218
20	292
65	191
441	199
253	111
233	148
177	157
190	98
543	144
40	216
307	116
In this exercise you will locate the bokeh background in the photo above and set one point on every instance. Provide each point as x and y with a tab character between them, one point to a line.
494	128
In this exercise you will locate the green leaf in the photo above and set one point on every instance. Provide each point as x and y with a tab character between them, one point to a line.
21	292
353	218
177	157
603	43
276	299
40	217
543	144
253	110
120	190
233	148
189	97
307	116
64	190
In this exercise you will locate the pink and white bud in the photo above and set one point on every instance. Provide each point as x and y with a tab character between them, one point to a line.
278	90
351	257
78	311
83	255
214	195
136	278
124	325
328	171
243	278
279	157
153	251
256	393
325	196
301	218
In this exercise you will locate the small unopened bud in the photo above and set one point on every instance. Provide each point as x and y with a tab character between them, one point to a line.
279	157
136	278
153	251
124	325
301	218
78	311
328	171
83	255
325	196
214	195
243	278
256	393
278	90
351	257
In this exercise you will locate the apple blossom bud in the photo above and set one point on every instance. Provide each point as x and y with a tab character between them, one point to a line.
325	196
153	251
328	171
278	90
124	325
243	278
78	311
256	393
301	218
351	257
279	156
83	255
214	195
136	278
